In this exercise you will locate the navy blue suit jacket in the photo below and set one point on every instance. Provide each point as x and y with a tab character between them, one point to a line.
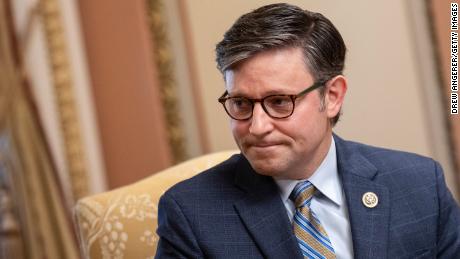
230	211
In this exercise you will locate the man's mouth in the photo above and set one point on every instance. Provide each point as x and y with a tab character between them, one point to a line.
263	145
267	144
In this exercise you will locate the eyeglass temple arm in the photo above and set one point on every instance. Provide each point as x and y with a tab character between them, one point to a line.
221	98
311	88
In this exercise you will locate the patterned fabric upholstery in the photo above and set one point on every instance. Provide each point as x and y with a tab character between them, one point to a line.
121	223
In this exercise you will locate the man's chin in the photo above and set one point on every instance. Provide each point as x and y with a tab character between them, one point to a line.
265	161
266	167
263	154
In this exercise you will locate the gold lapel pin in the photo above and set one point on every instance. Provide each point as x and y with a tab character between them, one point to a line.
370	199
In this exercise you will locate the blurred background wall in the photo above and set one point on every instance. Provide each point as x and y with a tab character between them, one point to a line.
119	90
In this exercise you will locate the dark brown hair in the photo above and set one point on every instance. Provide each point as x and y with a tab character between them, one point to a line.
283	26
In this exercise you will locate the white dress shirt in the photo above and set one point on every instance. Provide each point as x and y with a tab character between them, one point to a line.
328	204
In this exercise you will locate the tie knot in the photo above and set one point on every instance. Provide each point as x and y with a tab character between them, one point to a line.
302	194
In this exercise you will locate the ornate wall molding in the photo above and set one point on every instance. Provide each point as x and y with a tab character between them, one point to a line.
167	86
64	92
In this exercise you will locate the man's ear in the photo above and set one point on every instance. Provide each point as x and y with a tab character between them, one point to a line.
334	96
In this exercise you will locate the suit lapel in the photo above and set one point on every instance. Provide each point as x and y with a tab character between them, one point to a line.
264	215
369	226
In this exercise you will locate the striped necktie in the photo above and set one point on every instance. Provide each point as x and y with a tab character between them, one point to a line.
312	238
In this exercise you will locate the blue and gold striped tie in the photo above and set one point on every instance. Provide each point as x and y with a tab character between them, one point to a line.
312	238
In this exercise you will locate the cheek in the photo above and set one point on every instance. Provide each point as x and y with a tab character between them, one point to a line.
295	128
303	129
238	129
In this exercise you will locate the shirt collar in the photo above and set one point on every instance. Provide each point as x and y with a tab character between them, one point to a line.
325	179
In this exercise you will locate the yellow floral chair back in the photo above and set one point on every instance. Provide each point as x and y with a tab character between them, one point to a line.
122	223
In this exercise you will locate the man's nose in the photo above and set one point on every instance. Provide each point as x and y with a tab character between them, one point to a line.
261	122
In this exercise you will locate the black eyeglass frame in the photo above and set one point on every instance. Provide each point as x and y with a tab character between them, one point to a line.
222	99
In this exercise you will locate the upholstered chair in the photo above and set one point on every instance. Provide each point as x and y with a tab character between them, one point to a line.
121	223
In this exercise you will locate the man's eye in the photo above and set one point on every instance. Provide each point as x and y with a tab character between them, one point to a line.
278	101
240	103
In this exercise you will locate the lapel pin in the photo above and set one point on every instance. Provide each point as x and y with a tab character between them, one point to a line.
370	199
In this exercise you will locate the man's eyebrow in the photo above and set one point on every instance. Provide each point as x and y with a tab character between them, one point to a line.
277	91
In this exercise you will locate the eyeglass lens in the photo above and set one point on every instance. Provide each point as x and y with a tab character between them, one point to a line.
277	106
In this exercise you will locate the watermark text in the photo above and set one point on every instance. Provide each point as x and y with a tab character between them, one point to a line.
454	58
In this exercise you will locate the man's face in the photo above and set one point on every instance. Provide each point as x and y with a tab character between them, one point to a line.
287	148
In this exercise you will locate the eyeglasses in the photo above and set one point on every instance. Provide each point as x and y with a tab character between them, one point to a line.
277	106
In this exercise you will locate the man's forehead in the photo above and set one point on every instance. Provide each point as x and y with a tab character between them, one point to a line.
257	90
295	54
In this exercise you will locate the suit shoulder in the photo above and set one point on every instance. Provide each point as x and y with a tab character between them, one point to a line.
390	158
402	172
221	174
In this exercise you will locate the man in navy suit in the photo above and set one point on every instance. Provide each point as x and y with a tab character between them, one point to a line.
284	91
